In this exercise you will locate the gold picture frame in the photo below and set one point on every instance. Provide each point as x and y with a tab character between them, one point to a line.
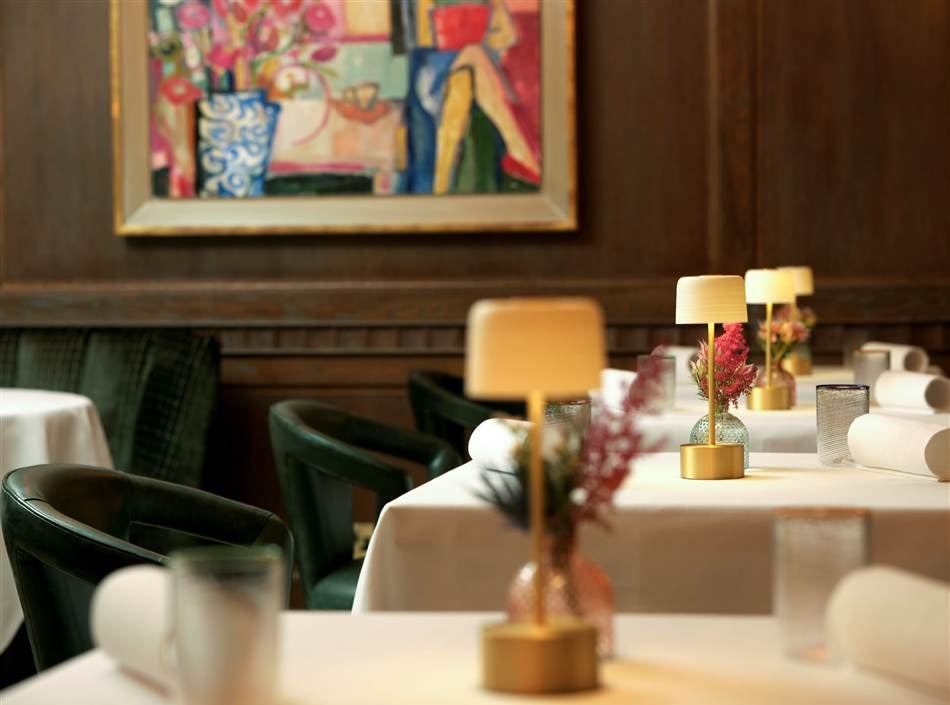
138	213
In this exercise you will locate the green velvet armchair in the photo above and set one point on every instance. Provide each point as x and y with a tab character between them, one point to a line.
321	453
66	527
155	390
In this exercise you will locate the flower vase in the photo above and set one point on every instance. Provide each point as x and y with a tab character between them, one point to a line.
729	429
574	587
235	136
798	361
780	378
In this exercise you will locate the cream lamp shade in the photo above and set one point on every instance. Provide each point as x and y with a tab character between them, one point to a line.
769	286
712	298
522	345
804	280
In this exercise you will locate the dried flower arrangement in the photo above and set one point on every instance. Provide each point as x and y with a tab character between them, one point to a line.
734	376
583	472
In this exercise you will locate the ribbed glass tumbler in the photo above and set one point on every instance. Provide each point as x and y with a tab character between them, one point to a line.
837	406
814	548
869	365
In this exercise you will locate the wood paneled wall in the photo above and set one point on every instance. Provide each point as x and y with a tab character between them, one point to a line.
714	135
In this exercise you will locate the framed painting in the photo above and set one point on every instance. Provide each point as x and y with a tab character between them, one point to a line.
342	116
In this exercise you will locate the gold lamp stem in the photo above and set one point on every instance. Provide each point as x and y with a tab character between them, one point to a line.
711	380
768	345
536	499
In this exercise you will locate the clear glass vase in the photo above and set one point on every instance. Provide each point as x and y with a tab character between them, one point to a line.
780	378
729	429
574	587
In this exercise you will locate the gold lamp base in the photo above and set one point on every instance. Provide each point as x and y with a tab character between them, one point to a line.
797	365
768	399
559	656
701	461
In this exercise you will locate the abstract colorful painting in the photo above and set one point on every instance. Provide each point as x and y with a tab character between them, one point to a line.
342	116
309	97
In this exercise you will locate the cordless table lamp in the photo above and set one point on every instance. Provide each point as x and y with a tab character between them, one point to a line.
535	349
769	286
711	299
804	286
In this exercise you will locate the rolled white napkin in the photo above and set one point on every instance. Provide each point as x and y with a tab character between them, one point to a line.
614	385
684	355
913	390
494	442
893	622
131	622
907	445
903	357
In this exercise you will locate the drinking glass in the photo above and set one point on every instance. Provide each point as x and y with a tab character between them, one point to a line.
665	393
813	549
837	405
574	412
869	365
225	605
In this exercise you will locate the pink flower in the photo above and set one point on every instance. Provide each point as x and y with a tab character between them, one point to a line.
221	57
179	90
192	15
325	53
262	35
318	18
284	8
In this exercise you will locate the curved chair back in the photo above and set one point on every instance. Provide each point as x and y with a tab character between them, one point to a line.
66	527
440	408
321	453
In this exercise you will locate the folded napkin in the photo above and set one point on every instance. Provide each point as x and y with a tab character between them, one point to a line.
131	622
614	386
903	357
919	447
684	355
913	390
893	622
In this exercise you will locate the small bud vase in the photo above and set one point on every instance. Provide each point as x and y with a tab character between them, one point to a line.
575	587
780	378
729	429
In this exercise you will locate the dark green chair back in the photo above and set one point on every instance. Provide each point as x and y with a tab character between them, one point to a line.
66	527
440	408
155	390
321	454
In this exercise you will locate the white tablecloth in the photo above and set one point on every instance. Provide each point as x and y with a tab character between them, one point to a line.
413	659
676	545
39	427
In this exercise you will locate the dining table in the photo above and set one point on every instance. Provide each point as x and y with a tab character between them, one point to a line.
669	544
39	427
422	659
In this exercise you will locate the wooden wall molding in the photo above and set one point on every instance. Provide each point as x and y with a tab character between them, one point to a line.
287	304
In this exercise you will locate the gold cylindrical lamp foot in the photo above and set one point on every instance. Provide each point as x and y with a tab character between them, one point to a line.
701	461
797	365
769	399
559	656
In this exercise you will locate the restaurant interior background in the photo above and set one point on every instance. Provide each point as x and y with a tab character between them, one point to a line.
756	134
